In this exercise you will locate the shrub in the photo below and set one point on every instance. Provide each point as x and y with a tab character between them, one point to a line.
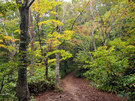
38	83
112	68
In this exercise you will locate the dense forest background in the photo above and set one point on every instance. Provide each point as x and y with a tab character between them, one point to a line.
94	38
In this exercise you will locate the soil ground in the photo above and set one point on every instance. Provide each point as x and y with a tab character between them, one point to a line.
77	89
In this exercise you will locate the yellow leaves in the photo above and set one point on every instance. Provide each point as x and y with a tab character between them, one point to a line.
1	45
54	38
67	35
57	23
44	22
64	54
38	53
10	48
89	3
15	40
1	40
51	61
17	31
53	12
7	38
43	6
54	35
55	43
52	23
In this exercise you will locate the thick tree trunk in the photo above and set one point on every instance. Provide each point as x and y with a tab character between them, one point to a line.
22	85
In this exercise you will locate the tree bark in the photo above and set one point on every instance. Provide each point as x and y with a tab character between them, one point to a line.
32	42
57	70
57	57
93	39
93	24
22	84
2	84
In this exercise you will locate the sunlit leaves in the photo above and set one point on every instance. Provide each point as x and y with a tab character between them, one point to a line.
17	31
57	38
44	6
67	35
64	54
118	43
52	23
1	45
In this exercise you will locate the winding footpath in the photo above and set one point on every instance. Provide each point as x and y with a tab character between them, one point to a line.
77	89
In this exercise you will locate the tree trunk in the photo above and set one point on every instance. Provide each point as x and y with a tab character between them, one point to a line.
57	57
93	24
39	39
2	84
92	34
93	39
22	84
57	70
32	42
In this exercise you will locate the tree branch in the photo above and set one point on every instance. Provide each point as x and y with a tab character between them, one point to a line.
30	3
18	1
26	3
79	15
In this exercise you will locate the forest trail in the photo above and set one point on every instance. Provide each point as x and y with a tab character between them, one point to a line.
77	89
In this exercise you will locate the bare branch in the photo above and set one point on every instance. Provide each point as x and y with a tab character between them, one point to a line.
30	3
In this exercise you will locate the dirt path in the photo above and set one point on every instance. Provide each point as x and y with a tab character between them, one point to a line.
77	89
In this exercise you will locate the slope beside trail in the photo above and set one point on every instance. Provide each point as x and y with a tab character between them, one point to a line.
77	89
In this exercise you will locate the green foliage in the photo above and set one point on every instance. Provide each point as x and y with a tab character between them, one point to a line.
6	7
8	78
38	83
111	70
105	68
79	72
66	66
